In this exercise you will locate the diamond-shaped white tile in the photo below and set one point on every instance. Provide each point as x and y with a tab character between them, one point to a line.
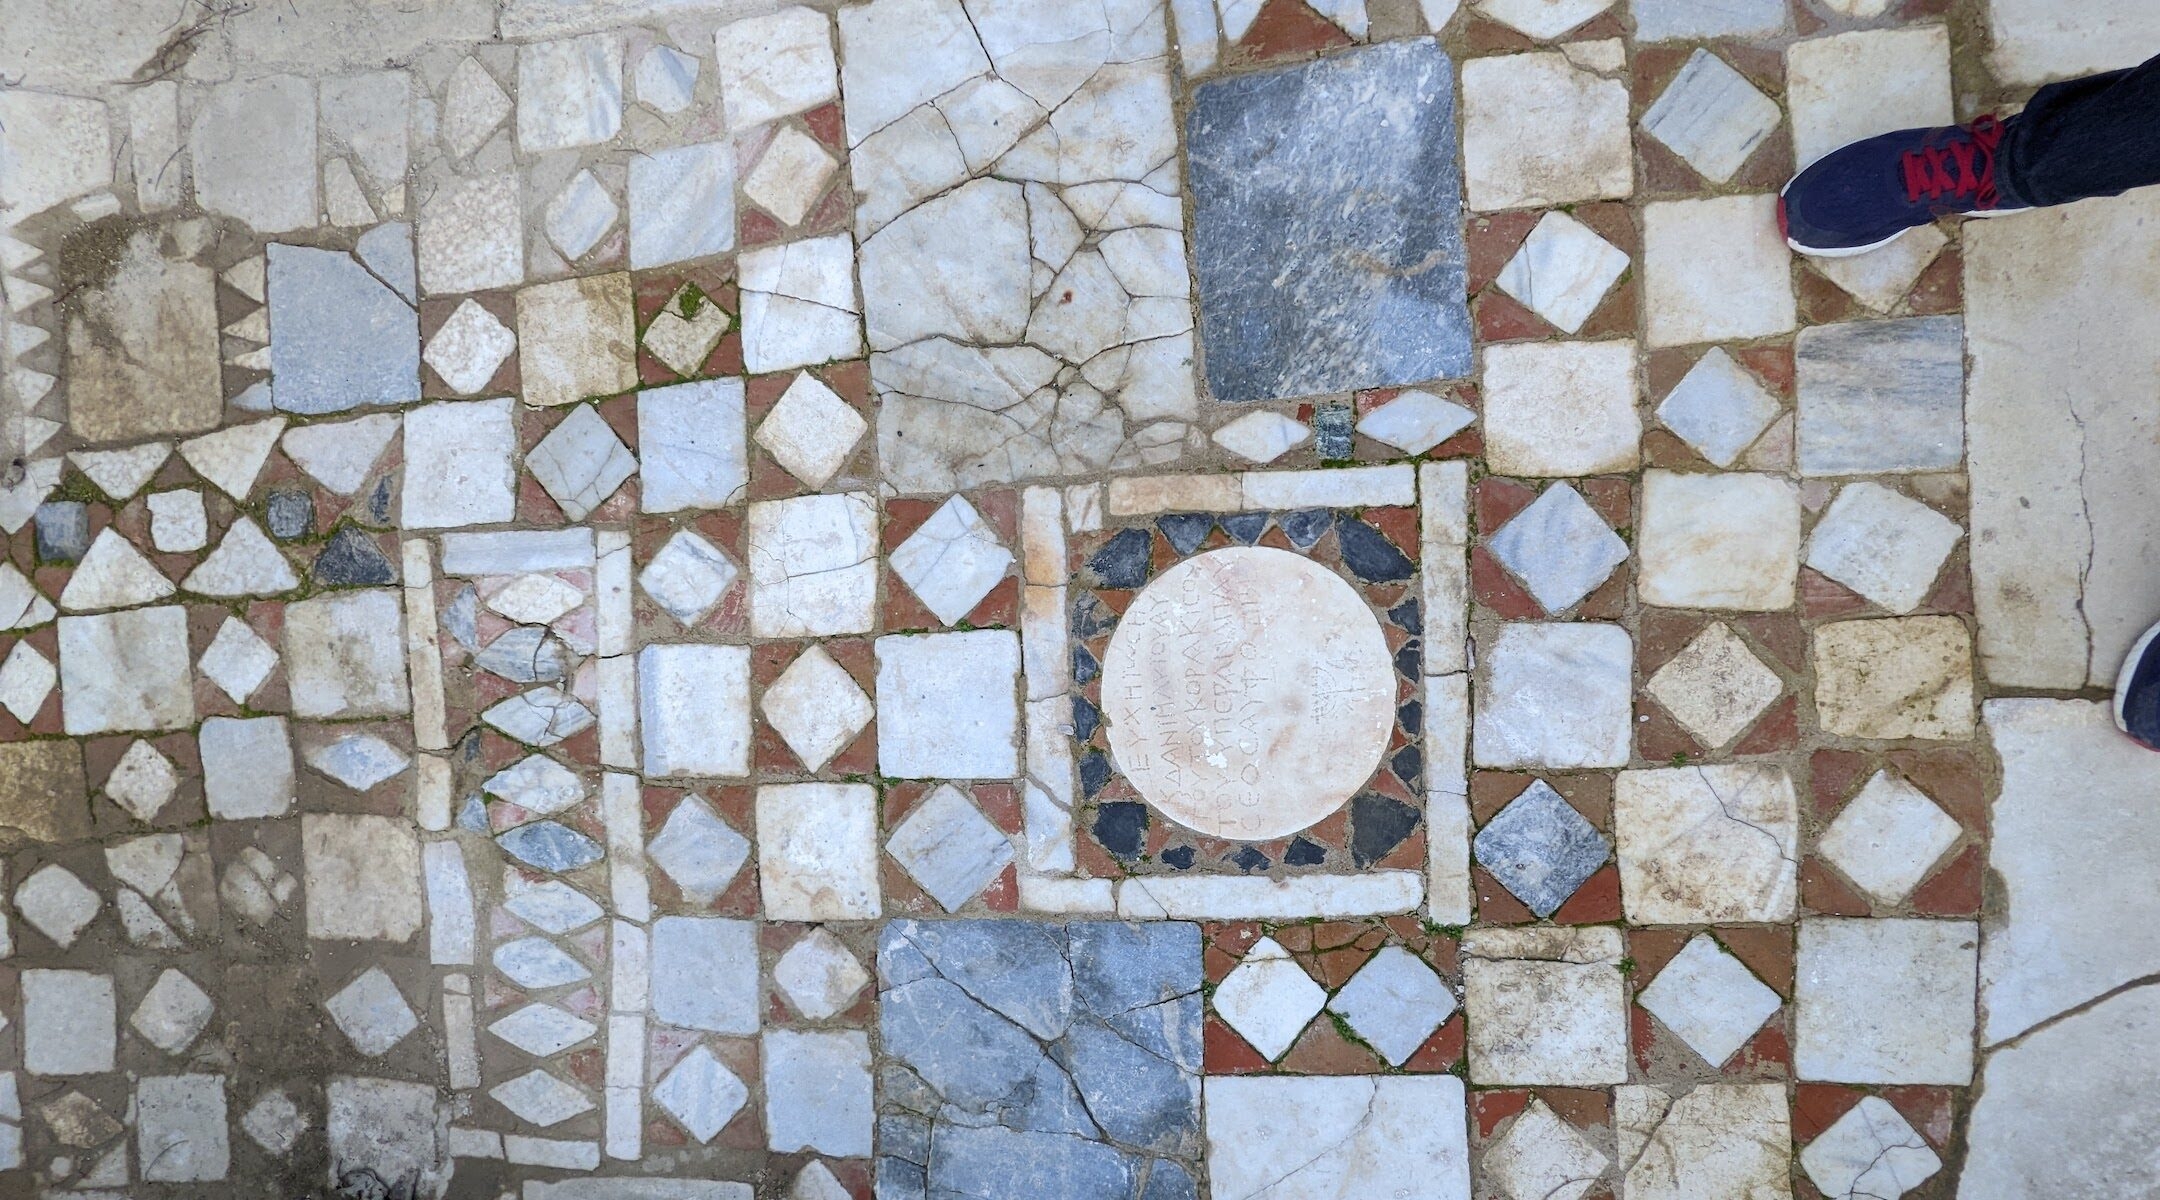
542	1030
1268	999
1394	1002
536	783
1415	421
1711	116
535	599
1718	408
540	1098
26	678
1715	686
580	215
372	1013
683	342
811	431
57	904
949	847
1542	1157
1707	997
790	176
1870	1153
1887	838
1881	278
816	707
469	348
549	904
699	851
1563	271
1559	547
535	963
142	781
275	1123
953	560
172	1013
237	660
819	976
581	462
688	576
1262	437
358	760
701	1094
1883	544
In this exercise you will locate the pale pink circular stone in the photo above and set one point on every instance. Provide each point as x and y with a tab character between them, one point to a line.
1248	693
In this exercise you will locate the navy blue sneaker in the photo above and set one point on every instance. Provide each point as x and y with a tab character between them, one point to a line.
1862	196
2137	691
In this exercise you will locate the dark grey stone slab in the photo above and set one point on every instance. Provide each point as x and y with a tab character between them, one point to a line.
1327	220
63	531
1040	1060
339	337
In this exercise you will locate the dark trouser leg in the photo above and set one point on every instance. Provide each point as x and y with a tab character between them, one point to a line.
2097	136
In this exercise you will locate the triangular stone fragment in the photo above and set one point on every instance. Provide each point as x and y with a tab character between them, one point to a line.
248	277
232	458
21	606
122	473
113	574
244	564
338	454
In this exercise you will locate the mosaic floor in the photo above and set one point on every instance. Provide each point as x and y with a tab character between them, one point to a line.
964	599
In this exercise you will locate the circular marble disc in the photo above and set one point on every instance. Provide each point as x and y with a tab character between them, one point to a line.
1248	693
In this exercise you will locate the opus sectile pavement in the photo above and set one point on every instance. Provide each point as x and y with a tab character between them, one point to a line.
997	598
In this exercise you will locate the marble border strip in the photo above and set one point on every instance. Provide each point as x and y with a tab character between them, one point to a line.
1444	564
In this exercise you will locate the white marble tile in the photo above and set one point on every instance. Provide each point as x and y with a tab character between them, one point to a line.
1711	116
1885	1001
818	1091
1561	408
569	92
458	468
704	974
947	705
813	565
694	709
1725	541
1555	695
1707	844
1849	86
1538	132
776	64
692	449
818	852
1313	1137
1562	271
1715	270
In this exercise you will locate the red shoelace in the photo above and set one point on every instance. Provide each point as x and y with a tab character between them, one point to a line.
1959	170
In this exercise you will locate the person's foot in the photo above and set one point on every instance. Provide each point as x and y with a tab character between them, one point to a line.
2137	691
1862	196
